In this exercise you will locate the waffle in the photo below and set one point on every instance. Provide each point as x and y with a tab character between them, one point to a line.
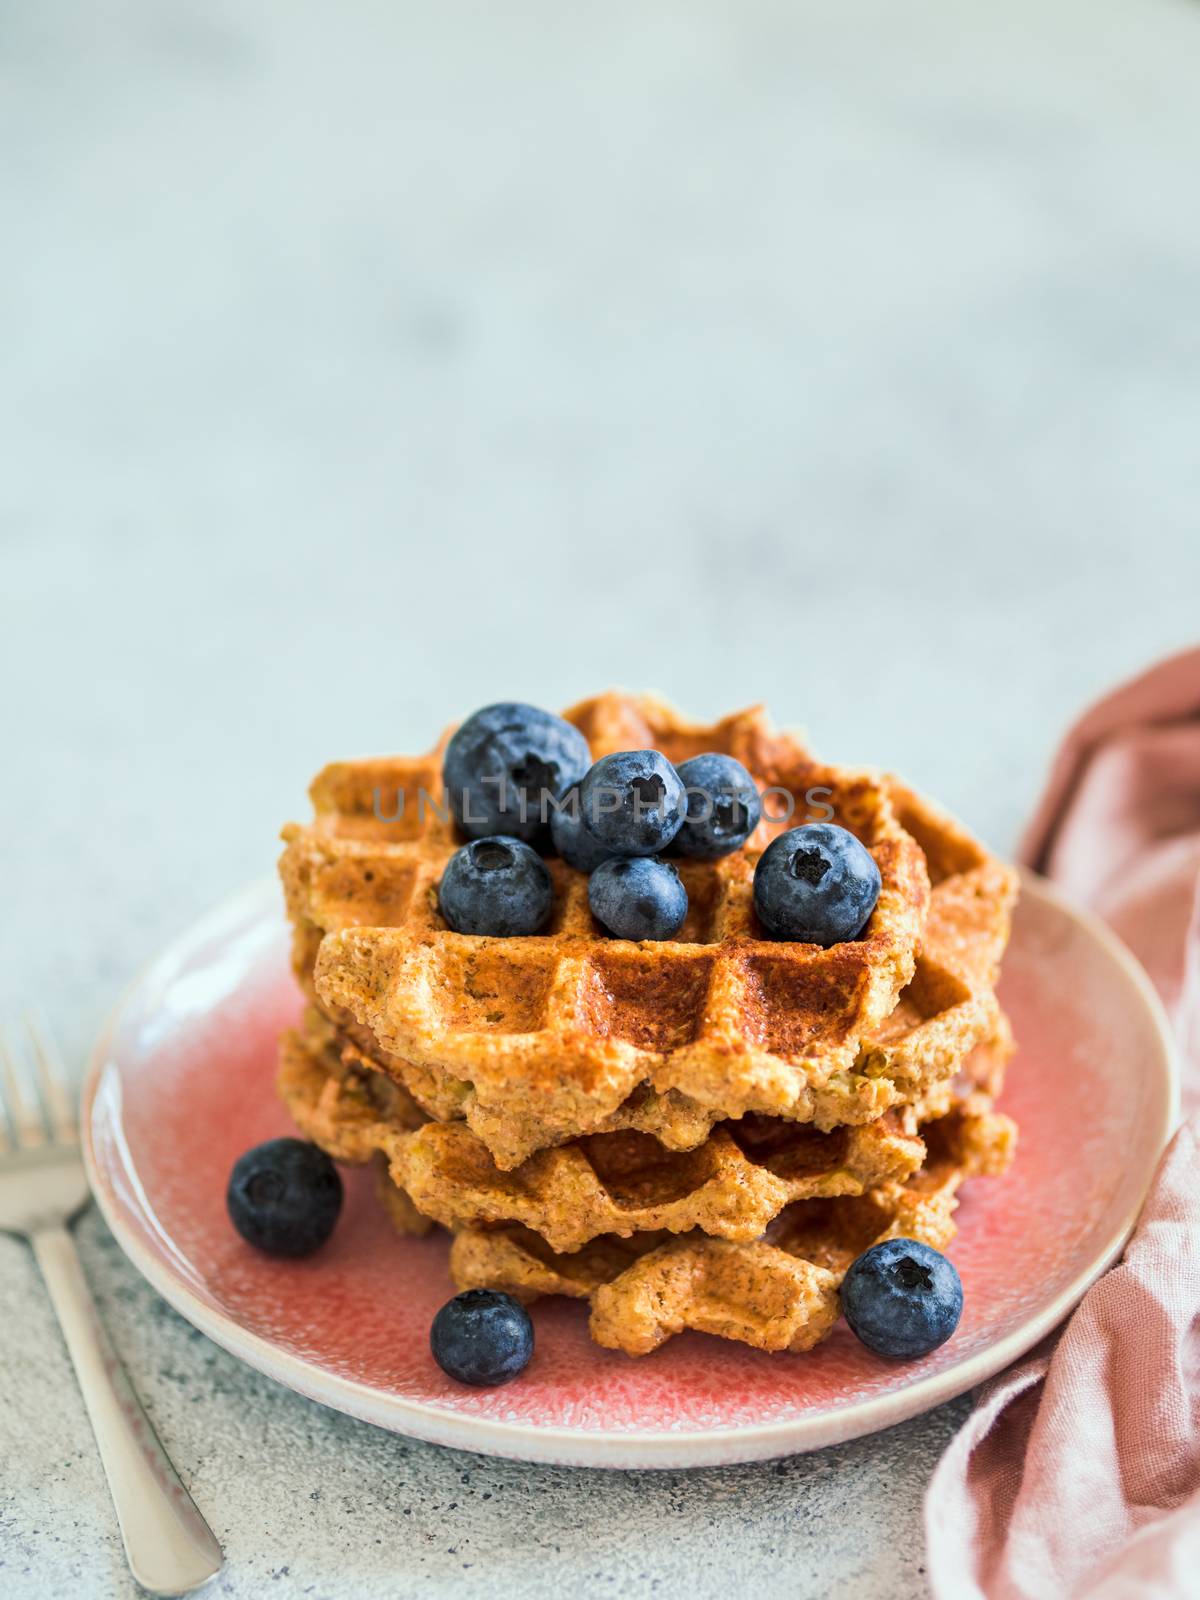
664	1039
338	1097
731	1186
700	1133
668	1039
776	1293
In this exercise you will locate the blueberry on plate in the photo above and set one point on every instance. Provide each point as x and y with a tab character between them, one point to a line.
638	898
632	802
723	806
902	1298
496	886
482	1337
284	1197
817	884
504	764
571	839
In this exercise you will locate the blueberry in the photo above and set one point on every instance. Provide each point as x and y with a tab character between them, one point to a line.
571	839
816	884
284	1197
723	807
498	886
638	899
482	1337
503	765
633	803
902	1298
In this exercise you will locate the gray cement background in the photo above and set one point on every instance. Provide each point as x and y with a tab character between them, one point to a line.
365	363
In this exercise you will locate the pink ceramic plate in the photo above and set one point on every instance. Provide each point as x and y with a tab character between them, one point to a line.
181	1083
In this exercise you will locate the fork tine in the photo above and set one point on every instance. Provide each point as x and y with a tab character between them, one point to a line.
52	1075
24	1113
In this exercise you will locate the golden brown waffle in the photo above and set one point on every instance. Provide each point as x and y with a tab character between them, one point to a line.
701	1133
665	1039
977	1084
339	1099
776	1293
540	1039
731	1186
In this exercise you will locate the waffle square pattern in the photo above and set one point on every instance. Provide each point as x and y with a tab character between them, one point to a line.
696	1133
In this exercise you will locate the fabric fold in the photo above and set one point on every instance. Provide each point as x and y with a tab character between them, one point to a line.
1078	1472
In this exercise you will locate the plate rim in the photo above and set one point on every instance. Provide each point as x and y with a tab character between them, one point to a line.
627	1448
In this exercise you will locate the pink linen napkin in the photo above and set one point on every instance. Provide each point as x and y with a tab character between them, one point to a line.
1078	1473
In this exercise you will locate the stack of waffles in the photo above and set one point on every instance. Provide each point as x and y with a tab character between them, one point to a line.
699	1133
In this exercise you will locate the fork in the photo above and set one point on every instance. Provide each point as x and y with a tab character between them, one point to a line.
170	1548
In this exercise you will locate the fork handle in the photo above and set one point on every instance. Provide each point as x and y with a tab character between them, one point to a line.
170	1548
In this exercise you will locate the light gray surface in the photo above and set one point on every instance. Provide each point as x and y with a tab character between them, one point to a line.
364	363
